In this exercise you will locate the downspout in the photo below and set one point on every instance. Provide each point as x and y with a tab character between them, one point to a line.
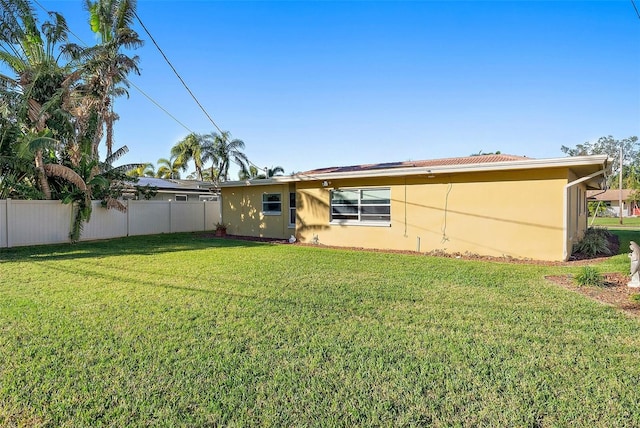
565	220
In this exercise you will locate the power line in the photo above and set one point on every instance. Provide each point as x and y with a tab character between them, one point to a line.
177	74
222	133
636	9
125	79
158	105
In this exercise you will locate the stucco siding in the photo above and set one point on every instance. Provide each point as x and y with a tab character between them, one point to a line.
242	211
516	213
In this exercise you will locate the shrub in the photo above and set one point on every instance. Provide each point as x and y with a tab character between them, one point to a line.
635	298
590	276
595	242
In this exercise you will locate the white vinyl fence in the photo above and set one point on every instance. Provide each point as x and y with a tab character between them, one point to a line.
49	222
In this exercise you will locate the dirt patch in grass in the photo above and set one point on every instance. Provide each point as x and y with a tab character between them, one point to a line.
614	291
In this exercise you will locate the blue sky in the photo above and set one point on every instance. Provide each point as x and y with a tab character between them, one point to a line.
310	84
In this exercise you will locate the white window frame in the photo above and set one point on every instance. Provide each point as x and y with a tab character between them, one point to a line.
292	210
207	198
186	198
361	219
265	197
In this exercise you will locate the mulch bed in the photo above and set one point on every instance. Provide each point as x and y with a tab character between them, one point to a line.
244	238
614	291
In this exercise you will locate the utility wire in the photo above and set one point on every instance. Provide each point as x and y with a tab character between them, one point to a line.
636	9
158	105
129	82
177	74
222	133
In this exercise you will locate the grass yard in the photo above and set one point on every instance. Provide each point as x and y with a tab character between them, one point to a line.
178	330
632	222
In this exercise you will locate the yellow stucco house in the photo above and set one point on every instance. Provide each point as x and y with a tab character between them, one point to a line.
495	205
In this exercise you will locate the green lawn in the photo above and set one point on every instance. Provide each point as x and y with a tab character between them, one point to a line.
633	222
178	330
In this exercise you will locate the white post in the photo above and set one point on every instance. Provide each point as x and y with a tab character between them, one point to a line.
620	184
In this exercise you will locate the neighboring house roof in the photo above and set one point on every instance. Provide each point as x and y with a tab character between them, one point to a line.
187	186
609	195
581	165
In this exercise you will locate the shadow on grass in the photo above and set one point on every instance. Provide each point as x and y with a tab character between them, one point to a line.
134	245
625	236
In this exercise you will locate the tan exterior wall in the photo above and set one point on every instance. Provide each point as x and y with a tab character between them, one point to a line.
242	211
515	213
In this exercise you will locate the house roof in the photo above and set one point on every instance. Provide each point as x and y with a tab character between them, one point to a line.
582	166
609	195
468	160
189	186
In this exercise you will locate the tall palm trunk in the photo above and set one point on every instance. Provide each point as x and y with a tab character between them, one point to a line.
42	175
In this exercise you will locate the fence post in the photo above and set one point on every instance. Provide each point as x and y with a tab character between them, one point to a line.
128	218
171	216
8	223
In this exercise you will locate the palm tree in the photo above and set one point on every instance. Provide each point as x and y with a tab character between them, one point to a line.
56	112
254	174
190	149
250	174
222	150
144	170
106	65
169	168
43	87
274	171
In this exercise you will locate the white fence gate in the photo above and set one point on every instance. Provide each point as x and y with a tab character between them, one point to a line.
49	222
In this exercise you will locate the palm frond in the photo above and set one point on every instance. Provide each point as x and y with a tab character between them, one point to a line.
66	173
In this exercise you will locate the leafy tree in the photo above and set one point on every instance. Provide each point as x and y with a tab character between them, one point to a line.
52	112
34	100
481	153
610	147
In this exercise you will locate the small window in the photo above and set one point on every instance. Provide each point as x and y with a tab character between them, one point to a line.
181	198
358	206
208	198
272	203
292	209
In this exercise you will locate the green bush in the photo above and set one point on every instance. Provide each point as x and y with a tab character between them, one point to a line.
590	276
595	242
635	298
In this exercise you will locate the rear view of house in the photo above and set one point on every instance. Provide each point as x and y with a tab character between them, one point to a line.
496	205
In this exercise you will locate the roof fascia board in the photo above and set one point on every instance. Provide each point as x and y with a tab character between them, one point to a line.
478	167
566	162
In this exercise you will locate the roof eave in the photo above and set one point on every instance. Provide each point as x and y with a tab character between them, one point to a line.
281	179
567	162
478	167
